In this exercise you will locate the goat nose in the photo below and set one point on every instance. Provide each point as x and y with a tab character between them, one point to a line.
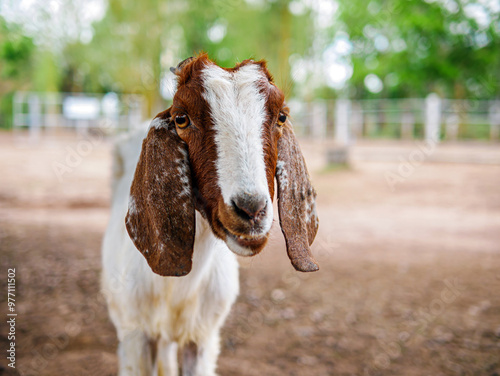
249	206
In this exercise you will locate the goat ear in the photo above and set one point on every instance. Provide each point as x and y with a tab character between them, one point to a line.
296	202
177	70
161	212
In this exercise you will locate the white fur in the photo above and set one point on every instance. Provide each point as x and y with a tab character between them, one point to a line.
172	311
282	174
238	249
157	123
238	112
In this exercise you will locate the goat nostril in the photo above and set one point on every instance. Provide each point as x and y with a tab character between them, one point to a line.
249	207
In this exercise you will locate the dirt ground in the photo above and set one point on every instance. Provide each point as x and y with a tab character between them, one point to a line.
409	256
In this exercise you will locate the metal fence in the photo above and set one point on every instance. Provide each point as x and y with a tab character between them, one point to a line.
343	120
430	118
80	111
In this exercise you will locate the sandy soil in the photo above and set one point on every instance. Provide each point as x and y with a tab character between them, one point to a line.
409	281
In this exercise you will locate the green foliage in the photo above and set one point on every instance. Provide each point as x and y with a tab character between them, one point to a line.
268	31
137	42
6	110
23	66
15	51
16	55
429	49
413	46
46	76
474	132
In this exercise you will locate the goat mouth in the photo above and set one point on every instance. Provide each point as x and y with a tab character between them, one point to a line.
244	238
249	241
245	244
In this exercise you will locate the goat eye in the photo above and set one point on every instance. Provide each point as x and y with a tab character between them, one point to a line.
281	119
182	121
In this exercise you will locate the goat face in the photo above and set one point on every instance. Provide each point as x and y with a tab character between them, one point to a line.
218	149
226	118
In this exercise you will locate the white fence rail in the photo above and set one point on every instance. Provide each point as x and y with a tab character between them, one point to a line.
80	111
343	120
431	118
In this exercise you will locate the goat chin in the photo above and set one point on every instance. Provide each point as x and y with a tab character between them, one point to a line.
246	251
171	311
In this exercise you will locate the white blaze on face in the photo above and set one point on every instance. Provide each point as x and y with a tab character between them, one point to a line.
238	111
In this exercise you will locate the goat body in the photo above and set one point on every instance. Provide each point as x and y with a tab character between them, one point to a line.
195	194
147	308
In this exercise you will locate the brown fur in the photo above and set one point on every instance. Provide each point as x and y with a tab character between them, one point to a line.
176	223
163	222
296	203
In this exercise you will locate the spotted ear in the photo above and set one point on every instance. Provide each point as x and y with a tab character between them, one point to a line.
161	213
296	202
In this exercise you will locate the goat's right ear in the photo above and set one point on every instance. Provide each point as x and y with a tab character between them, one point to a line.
161	211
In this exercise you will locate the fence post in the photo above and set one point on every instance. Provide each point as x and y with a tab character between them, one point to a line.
407	125
451	123
51	117
318	120
342	107
356	128
34	109
135	112
432	117
17	119
494	117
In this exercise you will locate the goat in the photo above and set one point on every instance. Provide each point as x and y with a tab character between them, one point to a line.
203	186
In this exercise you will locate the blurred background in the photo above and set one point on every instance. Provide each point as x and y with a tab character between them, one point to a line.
317	50
397	108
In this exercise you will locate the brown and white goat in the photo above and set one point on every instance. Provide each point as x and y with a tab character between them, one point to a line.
203	186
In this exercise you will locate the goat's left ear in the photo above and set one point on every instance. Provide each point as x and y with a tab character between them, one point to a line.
296	202
161	213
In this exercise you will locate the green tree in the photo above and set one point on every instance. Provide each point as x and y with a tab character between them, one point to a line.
136	43
16	52
416	47
16	61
